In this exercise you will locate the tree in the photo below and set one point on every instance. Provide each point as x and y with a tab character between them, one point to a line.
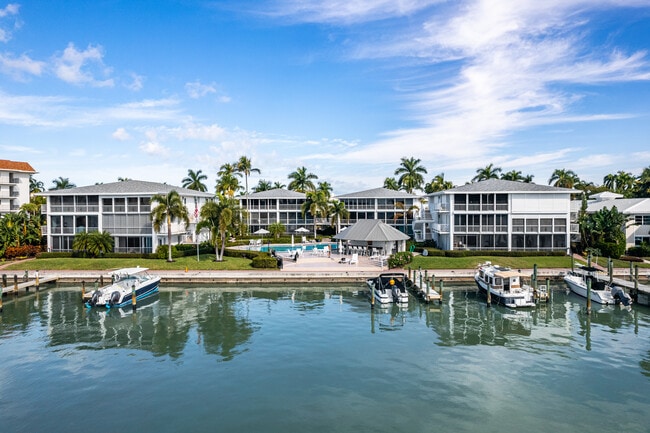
642	187
100	243
487	172
438	183
81	241
276	229
562	178
62	183
410	174
35	186
405	213
263	185
604	230
337	212
301	180
245	167
622	183
391	183
514	175
326	187
169	207
228	184
194	180
278	185
220	218
317	204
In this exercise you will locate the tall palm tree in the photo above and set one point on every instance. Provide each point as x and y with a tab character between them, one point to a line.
438	183
169	207
221	217
194	180
326	187
642	186
245	167
562	178
262	185
317	204
301	180
62	183
337	213
391	183
228	184
278	185
410	174
514	175
35	186
487	172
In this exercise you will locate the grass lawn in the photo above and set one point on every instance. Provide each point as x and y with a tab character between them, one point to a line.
206	262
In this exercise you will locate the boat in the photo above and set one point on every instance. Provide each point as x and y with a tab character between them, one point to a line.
505	286
388	288
125	282
601	291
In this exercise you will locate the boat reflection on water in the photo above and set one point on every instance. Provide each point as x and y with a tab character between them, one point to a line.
388	317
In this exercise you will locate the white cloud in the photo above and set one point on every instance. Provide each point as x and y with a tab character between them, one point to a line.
154	148
19	67
136	84
198	90
80	67
9	10
121	134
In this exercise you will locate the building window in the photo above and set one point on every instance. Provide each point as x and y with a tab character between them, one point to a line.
517	225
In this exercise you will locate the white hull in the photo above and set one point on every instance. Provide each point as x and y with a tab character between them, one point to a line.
521	298
579	287
384	294
505	286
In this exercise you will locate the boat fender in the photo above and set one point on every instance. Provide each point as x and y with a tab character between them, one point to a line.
94	298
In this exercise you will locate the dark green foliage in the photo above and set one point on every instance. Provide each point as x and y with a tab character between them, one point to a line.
642	250
264	261
399	260
162	252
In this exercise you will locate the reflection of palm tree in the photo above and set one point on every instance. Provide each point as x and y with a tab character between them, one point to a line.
405	213
170	207
194	181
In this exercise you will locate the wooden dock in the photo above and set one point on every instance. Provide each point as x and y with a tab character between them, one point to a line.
25	286
425	288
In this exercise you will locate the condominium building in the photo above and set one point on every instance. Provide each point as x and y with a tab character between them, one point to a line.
120	208
499	215
275	205
14	185
637	210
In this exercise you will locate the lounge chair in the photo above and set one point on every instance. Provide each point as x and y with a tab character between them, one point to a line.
354	260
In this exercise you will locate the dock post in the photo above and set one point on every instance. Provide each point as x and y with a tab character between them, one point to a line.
589	259
15	284
83	290
588	296
421	287
37	282
610	270
442	285
488	296
630	271
409	269
548	289
101	280
4	280
133	298
433	281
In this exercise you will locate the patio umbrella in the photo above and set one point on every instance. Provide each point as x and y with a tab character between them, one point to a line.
302	230
291	240
261	232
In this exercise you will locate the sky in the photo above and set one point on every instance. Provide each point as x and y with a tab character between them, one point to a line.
147	90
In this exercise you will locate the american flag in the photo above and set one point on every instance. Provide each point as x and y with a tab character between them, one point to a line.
196	212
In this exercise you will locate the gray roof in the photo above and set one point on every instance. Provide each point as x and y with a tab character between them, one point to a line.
629	206
378	193
500	185
274	193
127	187
371	230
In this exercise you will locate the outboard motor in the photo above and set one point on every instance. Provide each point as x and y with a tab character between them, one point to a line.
115	298
394	290
94	298
620	296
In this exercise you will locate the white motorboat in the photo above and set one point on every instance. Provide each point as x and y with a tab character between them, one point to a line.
505	286
388	288
601	291
126	283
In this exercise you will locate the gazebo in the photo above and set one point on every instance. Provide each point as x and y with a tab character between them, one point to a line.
373	234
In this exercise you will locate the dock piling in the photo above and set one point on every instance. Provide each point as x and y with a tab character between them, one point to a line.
15	284
83	290
133	298
588	296
442	285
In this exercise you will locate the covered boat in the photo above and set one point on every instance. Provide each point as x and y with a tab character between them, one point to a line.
388	288
505	286
125	283
601	291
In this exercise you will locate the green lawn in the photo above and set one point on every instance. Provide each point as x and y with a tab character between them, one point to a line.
206	263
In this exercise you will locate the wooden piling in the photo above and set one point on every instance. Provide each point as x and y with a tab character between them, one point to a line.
83	290
15	284
442	285
548	289
133	298
588	296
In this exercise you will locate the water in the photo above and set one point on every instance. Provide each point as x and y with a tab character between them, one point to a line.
320	360
285	248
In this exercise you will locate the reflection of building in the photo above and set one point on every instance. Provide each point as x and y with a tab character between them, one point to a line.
637	209
120	208
14	185
498	215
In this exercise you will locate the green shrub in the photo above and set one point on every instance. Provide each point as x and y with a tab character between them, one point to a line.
399	260
162	252
642	250
264	261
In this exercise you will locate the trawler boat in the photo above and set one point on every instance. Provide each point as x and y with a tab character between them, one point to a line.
601	291
125	282
388	288
505	286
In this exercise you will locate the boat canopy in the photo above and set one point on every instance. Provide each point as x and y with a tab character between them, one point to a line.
128	271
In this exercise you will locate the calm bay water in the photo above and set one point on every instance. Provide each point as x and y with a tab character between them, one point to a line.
319	359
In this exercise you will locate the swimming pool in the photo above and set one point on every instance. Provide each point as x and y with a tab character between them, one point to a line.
287	247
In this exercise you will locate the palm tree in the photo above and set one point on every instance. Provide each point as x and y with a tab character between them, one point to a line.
391	183
35	186
228	184
81	241
642	186
317	204
562	178
123	179
410	172
262	185
487	172
438	183
604	230
301	180
278	185
100	243
245	167
337	212
169	207
326	187
194	181
62	183
220	218
514	175
404	214
528	178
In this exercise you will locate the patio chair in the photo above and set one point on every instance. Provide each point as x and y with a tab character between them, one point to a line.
354	260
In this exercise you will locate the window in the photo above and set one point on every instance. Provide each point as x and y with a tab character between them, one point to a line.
518	225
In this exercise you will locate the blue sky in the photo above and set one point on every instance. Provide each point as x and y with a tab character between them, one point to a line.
93	91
